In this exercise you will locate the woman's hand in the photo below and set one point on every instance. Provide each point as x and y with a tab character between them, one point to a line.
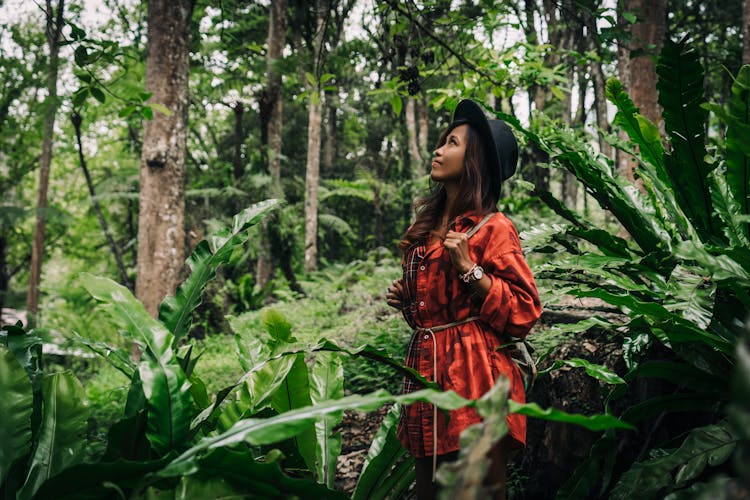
457	245
395	295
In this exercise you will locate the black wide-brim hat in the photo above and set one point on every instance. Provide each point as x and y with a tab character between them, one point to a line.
500	144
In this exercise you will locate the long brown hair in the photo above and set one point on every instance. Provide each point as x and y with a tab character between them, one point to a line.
474	193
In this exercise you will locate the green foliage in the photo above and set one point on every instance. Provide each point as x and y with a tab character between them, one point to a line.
61	435
175	311
682	278
164	383
171	429
681	95
388	469
710	445
15	412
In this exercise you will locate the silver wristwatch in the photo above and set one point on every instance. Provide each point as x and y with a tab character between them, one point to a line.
474	274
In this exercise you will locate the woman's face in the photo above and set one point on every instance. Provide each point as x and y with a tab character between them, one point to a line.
448	162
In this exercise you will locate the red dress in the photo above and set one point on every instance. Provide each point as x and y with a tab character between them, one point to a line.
468	361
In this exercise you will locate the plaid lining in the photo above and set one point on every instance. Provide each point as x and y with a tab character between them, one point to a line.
411	267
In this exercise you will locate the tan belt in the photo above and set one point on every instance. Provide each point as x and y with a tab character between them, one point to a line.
432	331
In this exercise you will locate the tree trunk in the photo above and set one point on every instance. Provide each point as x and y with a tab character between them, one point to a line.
313	145
55	22
271	123
276	39
600	104
329	151
312	180
638	73
746	32
161	217
76	119
423	120
415	158
647	36
237	162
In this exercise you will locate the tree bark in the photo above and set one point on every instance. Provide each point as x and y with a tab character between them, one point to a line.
312	176
746	32
76	119
415	159
161	217
423	122
312	179
648	32
238	163
329	151
637	71
276	41
272	122
54	22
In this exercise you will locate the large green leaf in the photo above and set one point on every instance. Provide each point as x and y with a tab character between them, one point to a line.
597	422
292	394
595	469
257	479
289	424
681	375
599	372
691	294
176	310
168	401
681	95
739	409
62	434
679	402
327	382
709	445
640	130
651	168
165	386
16	405
262	358
677	330
611	192
262	385
96	480
118	358
27	348
121	304
385	453
737	147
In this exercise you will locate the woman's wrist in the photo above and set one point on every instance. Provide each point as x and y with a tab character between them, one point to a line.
466	267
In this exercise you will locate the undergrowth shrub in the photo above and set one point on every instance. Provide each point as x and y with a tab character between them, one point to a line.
681	276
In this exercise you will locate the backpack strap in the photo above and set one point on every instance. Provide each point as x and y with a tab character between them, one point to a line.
471	232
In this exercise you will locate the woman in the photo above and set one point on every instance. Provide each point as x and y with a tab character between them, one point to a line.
460	295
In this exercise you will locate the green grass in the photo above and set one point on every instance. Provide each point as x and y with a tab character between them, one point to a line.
345	304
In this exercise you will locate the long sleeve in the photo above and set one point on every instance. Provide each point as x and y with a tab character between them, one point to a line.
512	305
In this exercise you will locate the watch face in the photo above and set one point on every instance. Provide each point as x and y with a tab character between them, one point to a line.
478	273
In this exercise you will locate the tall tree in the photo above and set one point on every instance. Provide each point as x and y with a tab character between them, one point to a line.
413	138
271	115
312	170
636	66
54	25
324	36
161	231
